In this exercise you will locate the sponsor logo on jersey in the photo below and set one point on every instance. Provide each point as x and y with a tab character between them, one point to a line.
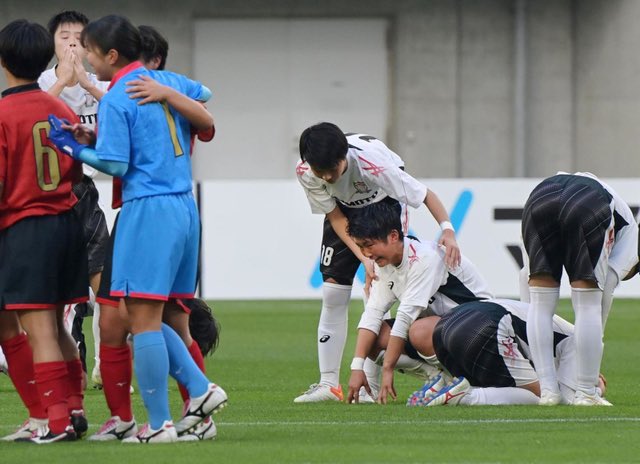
362	202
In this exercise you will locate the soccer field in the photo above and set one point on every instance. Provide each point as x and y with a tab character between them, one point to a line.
267	356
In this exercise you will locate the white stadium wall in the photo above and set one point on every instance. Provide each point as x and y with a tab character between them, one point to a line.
260	240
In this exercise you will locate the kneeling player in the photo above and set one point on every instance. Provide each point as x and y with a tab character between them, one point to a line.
483	346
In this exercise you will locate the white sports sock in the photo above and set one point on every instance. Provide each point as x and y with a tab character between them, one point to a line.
416	368
498	396
332	331
540	334
95	327
587	304
372	371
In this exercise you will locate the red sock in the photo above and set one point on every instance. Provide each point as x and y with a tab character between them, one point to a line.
20	361
74	385
52	386
196	354
116	371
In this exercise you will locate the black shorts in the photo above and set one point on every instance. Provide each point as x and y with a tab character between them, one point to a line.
337	261
567	221
104	292
480	341
94	222
44	263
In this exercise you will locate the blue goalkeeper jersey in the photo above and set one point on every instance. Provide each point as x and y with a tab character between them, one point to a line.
153	139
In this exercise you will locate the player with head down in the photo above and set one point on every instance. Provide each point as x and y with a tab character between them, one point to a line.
580	224
340	174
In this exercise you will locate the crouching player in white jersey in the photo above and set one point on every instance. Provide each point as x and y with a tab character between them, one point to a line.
342	173
410	272
483	348
575	222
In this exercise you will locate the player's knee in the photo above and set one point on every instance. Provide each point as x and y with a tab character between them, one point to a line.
340	280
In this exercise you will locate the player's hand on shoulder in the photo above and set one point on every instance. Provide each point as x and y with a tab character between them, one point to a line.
452	256
147	89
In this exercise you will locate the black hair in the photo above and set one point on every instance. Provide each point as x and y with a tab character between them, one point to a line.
376	221
203	326
113	32
323	146
154	45
25	49
66	17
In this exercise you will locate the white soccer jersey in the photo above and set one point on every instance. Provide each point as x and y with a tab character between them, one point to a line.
624	253
420	283
373	173
79	100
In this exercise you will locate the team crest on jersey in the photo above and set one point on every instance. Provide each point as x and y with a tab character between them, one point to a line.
361	187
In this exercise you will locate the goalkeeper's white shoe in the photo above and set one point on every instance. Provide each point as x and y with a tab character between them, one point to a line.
318	393
147	435
549	398
582	399
212	401
451	394
428	390
205	430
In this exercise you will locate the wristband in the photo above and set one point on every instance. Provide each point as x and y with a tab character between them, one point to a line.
446	225
357	364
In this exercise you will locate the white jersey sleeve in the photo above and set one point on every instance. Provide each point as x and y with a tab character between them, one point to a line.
320	200
381	299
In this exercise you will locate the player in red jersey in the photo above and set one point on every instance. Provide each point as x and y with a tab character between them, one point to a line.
36	223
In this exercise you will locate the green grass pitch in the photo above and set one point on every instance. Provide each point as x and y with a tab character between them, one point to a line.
267	357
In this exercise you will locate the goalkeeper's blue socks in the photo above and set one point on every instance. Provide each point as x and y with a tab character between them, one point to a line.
151	365
182	367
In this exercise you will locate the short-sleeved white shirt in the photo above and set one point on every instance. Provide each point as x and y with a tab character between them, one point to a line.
422	282
373	173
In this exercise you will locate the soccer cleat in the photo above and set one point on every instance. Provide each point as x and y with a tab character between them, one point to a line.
451	394
429	389
115	429
30	427
317	393
549	398
44	436
583	399
79	422
205	430
212	401
165	434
